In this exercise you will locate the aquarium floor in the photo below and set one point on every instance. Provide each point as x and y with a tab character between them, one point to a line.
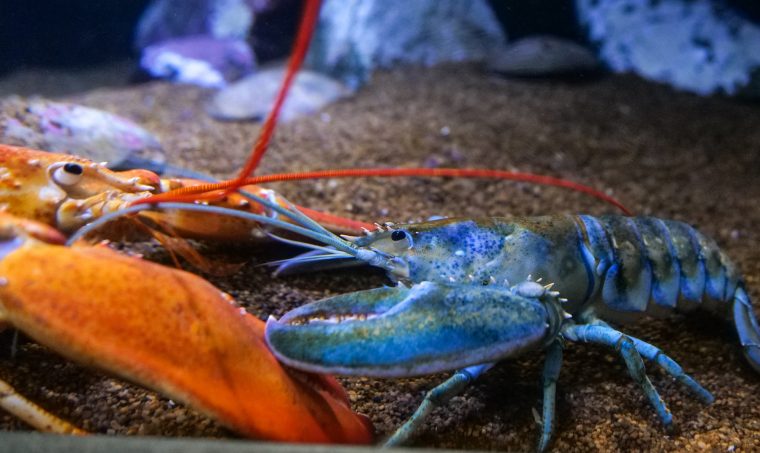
660	152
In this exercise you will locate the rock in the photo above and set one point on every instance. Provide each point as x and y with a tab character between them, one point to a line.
695	45
70	128
253	96
223	19
543	56
355	37
199	60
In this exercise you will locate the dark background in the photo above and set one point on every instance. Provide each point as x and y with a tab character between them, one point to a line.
66	33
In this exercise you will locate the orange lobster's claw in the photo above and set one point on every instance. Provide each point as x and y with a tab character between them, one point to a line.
171	331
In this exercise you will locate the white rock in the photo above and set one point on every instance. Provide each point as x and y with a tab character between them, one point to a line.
695	45
542	55
252	97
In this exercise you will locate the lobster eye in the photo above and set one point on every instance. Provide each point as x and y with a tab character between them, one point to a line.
69	174
401	240
74	169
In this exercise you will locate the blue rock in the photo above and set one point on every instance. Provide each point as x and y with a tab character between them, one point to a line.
696	45
355	37
223	19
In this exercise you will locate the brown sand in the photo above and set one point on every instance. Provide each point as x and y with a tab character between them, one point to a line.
663	153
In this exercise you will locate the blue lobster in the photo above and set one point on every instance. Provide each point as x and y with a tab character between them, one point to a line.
469	294
466	299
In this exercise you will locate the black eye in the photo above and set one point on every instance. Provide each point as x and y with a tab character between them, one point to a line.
74	169
398	235
67	175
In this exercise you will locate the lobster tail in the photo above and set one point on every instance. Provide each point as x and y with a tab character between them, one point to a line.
747	327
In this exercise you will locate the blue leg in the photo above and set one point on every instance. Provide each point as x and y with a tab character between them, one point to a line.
436	397
670	366
552	366
588	333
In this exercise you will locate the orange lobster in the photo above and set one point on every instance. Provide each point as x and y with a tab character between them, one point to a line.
120	326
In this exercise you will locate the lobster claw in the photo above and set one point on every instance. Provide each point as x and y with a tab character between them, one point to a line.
395	332
168	330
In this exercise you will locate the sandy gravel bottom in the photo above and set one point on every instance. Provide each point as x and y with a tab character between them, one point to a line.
661	152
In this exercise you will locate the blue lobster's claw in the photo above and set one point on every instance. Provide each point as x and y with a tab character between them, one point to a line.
394	332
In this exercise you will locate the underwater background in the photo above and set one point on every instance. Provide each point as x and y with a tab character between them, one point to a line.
653	102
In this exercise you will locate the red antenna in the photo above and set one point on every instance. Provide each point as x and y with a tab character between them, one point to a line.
193	192
480	173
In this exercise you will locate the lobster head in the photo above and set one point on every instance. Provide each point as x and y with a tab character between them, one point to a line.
446	250
65	191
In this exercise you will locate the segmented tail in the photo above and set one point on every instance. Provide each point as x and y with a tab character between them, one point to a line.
747	327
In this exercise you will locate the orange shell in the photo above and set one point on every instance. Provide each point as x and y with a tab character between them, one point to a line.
173	332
